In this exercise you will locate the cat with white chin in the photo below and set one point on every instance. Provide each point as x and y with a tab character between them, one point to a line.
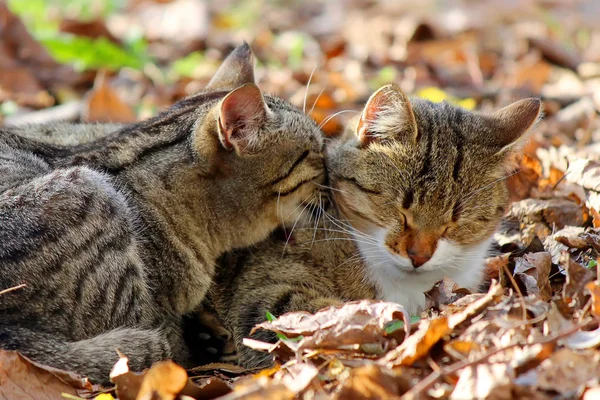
418	190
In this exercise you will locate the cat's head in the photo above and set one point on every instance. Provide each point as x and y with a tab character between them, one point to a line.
265	154
423	184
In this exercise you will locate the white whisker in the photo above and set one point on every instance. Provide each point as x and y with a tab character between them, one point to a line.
307	87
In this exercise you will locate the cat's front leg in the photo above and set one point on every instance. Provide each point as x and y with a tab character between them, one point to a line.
277	299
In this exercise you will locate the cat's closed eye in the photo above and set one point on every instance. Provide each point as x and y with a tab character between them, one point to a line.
360	186
306	168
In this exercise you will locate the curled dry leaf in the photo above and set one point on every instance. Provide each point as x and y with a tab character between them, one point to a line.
577	277
582	340
566	371
585	173
484	381
444	292
533	270
165	380
21	378
594	289
555	212
571	236
418	344
430	331
359	322
298	376
261	388
373	382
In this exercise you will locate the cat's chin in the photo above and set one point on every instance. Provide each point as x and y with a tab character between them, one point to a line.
398	281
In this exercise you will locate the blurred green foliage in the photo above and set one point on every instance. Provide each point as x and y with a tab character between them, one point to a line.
42	19
186	66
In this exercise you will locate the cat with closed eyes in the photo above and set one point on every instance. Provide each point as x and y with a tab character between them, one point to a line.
418	190
115	230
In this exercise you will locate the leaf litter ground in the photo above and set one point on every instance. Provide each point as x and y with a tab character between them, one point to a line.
534	334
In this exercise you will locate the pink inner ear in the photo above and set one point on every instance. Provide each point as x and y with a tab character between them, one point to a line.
368	116
242	113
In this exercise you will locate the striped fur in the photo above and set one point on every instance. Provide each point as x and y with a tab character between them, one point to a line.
116	235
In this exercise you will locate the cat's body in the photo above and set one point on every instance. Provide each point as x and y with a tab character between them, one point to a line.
418	190
116	236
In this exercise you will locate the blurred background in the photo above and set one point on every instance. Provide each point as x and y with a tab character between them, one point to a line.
125	60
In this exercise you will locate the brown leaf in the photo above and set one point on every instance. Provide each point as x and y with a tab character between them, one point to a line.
211	389
358	322
418	344
594	289
532	76
20	378
93	28
444	292
555	213
484	381
520	185
164	381
27	68
571	236
577	277
495	266
261	388
373	382
537	267
556	53
127	383
566	371
460	348
20	85
297	377
477	306
104	105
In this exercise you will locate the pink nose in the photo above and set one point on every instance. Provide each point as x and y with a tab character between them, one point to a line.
417	260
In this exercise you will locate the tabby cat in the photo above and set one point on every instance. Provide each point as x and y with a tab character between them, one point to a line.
418	190
116	234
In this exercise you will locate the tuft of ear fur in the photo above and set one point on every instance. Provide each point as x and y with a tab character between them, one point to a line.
388	114
242	113
512	123
236	70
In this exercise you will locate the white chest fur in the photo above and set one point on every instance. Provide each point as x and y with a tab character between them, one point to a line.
397	281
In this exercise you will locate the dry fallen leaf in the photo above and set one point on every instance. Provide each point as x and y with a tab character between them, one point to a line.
536	266
565	371
164	381
419	343
484	381
359	322
594	289
444	292
20	378
577	277
104	105
373	382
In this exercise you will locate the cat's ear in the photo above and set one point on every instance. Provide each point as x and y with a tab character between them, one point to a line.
236	70
512	123
388	114
242	113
